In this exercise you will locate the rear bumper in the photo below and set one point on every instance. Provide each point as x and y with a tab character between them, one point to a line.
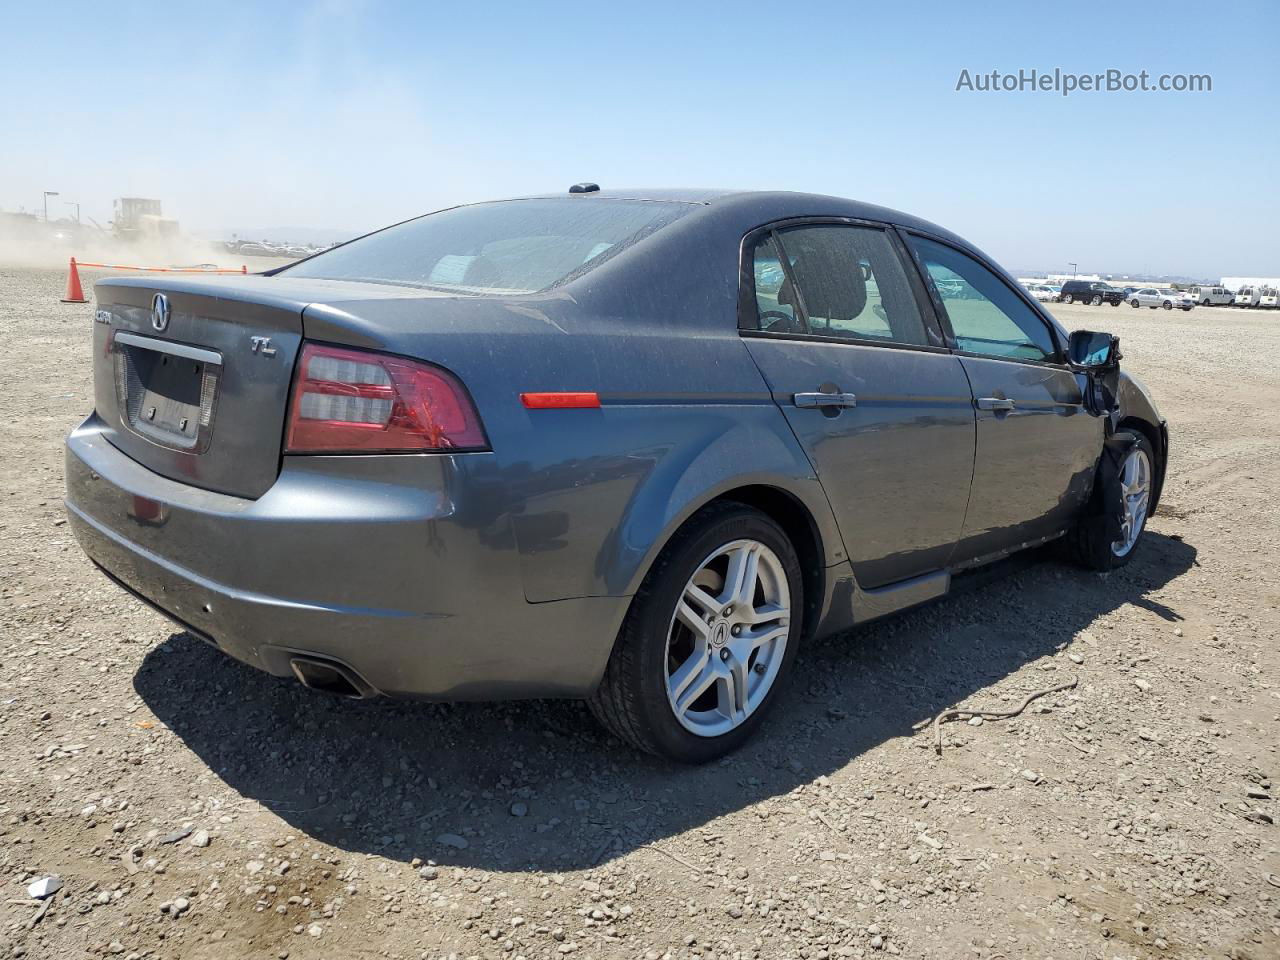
378	563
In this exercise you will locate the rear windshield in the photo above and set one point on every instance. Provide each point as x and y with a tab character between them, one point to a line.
514	246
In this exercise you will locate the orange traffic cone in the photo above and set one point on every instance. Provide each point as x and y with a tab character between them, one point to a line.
74	292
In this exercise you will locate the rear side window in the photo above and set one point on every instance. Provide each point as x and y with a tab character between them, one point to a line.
850	282
514	246
986	316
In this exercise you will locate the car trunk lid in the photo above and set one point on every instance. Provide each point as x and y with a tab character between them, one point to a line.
192	374
192	378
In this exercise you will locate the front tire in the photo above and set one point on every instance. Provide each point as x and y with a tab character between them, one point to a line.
709	639
1111	533
1096	301
1135	303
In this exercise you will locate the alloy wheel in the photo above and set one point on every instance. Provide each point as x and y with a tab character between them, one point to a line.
727	638
1135	494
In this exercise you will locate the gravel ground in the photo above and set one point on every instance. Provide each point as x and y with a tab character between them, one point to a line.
194	808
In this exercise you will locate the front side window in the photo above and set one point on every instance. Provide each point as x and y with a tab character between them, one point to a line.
986	316
850	281
508	247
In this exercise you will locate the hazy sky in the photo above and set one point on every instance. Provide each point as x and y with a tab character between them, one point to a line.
352	115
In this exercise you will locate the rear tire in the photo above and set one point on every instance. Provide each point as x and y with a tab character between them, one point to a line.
1102	539
1135	303
1068	299
659	661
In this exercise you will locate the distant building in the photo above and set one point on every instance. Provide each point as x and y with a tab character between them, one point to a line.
1236	283
1063	277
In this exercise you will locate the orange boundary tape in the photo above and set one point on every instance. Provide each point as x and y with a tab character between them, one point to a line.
122	266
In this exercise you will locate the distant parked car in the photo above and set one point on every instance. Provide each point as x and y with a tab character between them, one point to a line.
297	250
1091	291
1268	298
1247	297
1160	297
1212	296
1042	292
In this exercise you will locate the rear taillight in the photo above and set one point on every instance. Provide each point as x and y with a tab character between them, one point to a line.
362	402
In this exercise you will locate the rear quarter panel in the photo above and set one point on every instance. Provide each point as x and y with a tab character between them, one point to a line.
591	495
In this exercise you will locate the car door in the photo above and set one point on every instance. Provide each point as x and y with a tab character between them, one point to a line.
832	316
1037	445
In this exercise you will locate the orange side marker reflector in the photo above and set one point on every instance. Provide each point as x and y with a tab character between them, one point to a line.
560	401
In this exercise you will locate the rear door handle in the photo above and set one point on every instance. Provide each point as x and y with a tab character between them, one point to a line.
825	400
995	403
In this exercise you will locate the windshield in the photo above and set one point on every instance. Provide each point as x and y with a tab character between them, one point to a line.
514	246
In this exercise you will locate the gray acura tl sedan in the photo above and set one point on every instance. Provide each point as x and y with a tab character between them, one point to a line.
632	447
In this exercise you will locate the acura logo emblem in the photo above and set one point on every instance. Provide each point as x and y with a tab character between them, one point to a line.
720	634
160	311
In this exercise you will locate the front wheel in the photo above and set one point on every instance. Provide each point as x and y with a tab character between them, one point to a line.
1110	534
1135	303
709	638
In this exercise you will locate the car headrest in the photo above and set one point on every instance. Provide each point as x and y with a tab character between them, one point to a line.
482	272
833	286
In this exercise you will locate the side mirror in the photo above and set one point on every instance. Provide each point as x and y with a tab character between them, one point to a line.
1088	350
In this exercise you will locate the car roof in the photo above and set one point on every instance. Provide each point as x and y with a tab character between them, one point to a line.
762	206
673	194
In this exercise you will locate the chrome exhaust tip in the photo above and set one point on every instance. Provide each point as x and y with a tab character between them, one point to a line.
330	677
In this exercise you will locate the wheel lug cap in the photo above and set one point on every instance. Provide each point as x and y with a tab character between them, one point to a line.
724	654
736	630
728	610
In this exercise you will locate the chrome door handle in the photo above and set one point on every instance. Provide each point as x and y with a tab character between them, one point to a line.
995	403
825	400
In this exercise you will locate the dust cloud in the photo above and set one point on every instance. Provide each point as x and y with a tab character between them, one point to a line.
27	242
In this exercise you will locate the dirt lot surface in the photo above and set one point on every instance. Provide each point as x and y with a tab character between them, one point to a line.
1130	817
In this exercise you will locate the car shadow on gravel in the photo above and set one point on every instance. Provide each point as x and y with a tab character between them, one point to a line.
537	786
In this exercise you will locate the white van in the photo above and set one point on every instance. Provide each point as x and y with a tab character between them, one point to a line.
1269	298
1212	296
1247	297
